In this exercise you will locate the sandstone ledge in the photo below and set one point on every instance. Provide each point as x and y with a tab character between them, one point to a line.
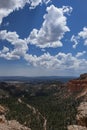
76	127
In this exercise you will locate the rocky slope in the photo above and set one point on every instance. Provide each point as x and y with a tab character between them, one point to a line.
79	88
44	105
9	124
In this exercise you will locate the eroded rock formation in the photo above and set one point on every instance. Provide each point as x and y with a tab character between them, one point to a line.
79	88
9	125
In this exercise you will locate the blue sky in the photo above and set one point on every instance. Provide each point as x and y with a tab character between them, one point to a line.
43	37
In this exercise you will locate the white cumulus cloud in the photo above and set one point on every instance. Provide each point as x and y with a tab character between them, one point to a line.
5	49
20	46
52	30
79	54
61	61
75	40
8	6
81	35
34	3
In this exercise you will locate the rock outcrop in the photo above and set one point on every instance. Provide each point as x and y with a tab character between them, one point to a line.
12	125
2	110
82	114
79	88
76	127
9	125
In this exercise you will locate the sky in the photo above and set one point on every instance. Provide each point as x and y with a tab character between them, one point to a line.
43	37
